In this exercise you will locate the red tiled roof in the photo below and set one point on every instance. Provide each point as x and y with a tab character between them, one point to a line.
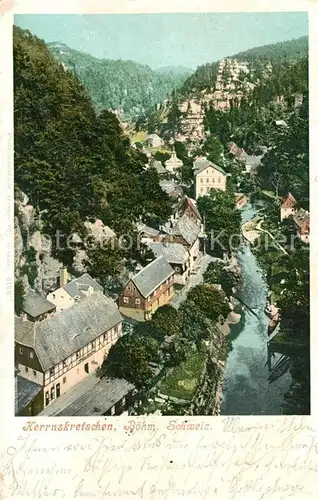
288	202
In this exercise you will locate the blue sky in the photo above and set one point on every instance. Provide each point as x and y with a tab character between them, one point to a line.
166	39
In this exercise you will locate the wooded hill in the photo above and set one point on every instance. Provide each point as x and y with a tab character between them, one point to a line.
71	162
125	86
278	54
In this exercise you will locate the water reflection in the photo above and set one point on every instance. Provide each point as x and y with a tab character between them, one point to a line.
246	390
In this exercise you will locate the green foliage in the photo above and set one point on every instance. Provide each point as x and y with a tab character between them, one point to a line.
129	358
287	164
167	319
195	326
104	261
72	163
213	149
222	220
218	273
211	302
19	296
119	85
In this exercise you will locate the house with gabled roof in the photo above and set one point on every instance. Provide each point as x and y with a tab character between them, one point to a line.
185	231
154	141
37	308
178	257
158	166
302	223
146	291
288	206
208	176
74	291
239	153
59	352
189	207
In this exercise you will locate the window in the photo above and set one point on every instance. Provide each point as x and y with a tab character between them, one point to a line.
64	364
26	369
213	180
53	295
51	372
201	180
137	301
86	368
78	353
52	392
202	189
21	350
105	336
93	344
64	380
126	300
207	179
34	373
219	180
116	329
177	269
31	355
47	398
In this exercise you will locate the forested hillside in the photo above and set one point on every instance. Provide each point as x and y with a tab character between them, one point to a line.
71	162
276	54
125	86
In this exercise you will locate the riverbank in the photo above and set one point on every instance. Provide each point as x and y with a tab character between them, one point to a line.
246	388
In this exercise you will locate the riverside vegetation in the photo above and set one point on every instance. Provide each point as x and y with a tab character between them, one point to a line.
75	163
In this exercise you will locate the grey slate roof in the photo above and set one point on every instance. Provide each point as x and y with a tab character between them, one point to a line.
27	390
170	187
253	160
78	285
301	217
174	253
56	338
147	230
151	276
184	227
90	397
159	167
35	304
201	164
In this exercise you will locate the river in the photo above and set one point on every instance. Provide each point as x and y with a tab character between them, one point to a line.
246	390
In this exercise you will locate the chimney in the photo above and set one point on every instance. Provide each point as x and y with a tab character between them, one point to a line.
63	276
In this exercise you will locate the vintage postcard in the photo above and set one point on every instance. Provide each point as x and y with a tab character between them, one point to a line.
158	249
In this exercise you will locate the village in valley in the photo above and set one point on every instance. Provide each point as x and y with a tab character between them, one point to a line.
154	337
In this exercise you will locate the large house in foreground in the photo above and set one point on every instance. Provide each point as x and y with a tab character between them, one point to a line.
93	397
207	176
149	289
59	352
